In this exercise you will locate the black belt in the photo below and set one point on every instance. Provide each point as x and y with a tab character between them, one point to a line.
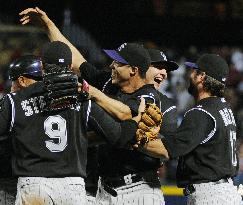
121	181
189	189
110	183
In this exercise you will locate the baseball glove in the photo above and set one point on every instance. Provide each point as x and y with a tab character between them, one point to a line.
61	90
149	125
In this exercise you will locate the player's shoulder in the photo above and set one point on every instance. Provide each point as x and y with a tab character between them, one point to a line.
206	107
145	90
166	101
4	102
212	103
35	89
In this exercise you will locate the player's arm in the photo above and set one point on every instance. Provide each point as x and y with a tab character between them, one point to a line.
189	135
169	124
154	148
186	138
5	117
118	133
94	139
112	106
39	17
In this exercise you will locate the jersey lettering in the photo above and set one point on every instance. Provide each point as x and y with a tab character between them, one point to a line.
227	116
33	105
56	129
27	108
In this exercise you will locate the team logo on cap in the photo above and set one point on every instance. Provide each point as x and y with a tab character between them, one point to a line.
61	60
122	46
163	56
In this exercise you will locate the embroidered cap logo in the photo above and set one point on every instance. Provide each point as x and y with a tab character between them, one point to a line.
122	46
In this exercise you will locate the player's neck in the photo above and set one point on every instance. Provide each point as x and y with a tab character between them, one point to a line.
133	85
203	95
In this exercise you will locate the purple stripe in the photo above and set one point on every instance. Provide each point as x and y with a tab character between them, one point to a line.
191	65
115	56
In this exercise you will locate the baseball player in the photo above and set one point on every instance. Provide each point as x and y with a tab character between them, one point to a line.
30	66
136	88
49	148
205	142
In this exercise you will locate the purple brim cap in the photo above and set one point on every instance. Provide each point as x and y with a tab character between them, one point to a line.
115	56
191	65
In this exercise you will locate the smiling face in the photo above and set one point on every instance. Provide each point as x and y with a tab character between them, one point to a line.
156	75
120	73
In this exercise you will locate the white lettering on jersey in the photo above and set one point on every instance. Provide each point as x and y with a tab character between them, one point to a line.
227	116
27	108
33	105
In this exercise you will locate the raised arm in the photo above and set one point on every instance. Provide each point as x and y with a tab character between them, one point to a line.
38	17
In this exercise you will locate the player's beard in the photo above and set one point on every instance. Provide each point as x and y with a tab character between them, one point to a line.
192	89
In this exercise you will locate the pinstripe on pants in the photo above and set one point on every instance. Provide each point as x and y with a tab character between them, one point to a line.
139	193
51	191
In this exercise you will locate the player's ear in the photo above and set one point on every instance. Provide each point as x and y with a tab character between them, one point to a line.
22	81
134	70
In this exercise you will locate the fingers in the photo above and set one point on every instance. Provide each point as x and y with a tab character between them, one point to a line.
25	20
142	106
27	11
26	15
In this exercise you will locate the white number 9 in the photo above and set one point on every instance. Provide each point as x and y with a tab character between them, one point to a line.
55	127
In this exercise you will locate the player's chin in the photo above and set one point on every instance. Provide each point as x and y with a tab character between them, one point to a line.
157	85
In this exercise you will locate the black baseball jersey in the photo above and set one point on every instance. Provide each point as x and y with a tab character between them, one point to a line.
100	79
125	161
53	144
8	183
205	143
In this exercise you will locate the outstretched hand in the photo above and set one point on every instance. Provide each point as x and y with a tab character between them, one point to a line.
34	16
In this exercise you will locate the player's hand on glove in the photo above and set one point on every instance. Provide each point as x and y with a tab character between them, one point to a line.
35	16
62	89
141	110
149	124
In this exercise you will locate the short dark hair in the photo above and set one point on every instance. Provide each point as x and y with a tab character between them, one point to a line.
142	73
54	68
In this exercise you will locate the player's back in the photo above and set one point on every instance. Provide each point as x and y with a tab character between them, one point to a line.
46	144
217	152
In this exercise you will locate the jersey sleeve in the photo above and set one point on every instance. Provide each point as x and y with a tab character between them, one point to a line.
195	127
169	124
94	76
5	117
118	133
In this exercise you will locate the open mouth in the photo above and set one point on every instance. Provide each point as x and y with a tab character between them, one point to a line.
158	79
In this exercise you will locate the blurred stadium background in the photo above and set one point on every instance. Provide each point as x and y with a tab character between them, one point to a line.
183	29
